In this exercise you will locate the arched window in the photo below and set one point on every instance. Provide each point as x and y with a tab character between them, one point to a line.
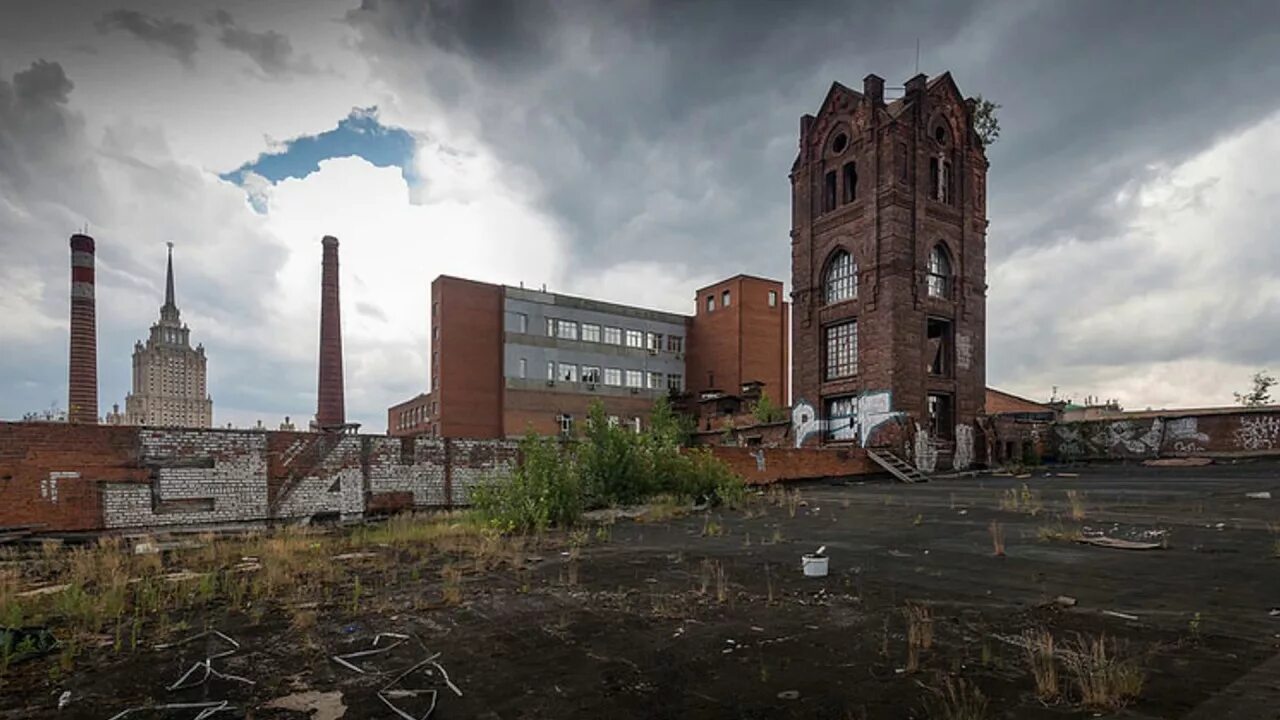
840	282
939	272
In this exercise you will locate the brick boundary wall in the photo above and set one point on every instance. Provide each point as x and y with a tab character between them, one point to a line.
1243	433
766	465
64	477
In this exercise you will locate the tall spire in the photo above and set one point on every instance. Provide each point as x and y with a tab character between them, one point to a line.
169	311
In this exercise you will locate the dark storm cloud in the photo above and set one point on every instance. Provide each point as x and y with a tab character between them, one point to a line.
271	50
666	129
174	37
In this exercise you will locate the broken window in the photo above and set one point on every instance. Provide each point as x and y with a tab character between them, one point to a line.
724	299
675	382
841	279
675	343
590	374
773	298
948	184
934	174
829	191
842	350
939	275
566	424
941	425
850	182
939	347
840	418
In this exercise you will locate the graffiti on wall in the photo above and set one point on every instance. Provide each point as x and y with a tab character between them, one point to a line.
1258	433
867	412
1184	436
964	351
963	457
1128	437
926	451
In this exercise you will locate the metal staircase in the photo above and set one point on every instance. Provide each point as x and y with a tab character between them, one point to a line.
896	466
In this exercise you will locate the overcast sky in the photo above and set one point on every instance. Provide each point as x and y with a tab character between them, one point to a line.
630	151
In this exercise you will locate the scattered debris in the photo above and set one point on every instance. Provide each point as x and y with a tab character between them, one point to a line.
1264	495
354	556
320	705
899	554
789	695
206	708
342	659
1122	616
64	699
146	548
390	691
1023	476
207	663
1275	612
1117	543
1062	474
182	575
46	590
1178	462
1065	601
20	644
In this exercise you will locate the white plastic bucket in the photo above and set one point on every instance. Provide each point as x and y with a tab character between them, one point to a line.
814	565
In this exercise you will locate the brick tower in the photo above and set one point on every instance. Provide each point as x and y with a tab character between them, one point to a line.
82	375
330	406
888	268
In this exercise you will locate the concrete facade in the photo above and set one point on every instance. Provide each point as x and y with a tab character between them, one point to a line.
888	249
169	376
507	360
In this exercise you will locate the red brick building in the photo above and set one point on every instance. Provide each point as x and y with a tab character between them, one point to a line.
505	360
888	251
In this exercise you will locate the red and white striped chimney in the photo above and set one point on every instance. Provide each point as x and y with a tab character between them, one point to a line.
82	375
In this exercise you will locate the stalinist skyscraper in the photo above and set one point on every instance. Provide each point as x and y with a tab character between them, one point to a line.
168	375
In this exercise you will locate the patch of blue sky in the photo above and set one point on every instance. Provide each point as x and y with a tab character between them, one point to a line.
360	134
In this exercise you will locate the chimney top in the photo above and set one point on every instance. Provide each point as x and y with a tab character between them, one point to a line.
329	241
917	84
81	243
873	89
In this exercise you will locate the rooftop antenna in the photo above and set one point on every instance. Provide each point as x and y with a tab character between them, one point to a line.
917	56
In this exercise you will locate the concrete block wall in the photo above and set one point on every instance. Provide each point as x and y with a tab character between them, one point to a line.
64	477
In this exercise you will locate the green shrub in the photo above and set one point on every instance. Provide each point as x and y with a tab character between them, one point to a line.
766	411
544	490
613	466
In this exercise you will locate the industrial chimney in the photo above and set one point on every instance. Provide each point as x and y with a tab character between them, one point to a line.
330	406
82	372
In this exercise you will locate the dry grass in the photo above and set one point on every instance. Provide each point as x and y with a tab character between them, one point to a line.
997	538
956	699
1039	647
919	625
451	589
1058	533
711	528
1104	676
1075	499
1024	500
713	576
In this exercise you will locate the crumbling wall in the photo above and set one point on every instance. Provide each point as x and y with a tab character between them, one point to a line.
1245	432
63	477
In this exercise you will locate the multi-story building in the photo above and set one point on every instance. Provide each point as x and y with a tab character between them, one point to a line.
168	374
888	252
506	360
